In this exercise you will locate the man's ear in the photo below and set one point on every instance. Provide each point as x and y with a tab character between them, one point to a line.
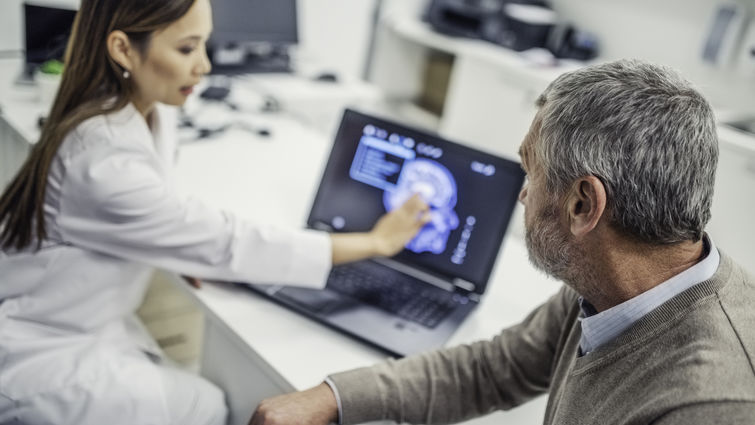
119	48
585	205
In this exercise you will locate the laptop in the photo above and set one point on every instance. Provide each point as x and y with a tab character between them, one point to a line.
414	301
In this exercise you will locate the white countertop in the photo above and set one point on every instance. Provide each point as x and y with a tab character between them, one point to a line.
19	104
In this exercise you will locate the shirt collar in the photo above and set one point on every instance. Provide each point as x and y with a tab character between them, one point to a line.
158	135
600	328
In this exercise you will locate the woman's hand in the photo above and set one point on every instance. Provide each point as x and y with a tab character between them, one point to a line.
389	235
396	228
193	281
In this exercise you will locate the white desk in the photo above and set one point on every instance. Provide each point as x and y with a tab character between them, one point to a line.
255	348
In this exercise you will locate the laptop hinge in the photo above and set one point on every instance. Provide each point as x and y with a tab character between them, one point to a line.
423	276
463	285
465	288
319	225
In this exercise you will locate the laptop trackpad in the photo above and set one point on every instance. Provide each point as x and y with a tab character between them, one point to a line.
320	301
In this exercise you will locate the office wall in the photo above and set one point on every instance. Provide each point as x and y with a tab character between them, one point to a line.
11	25
12	22
334	34
671	32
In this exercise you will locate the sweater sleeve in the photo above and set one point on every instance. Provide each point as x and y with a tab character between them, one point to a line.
117	201
454	384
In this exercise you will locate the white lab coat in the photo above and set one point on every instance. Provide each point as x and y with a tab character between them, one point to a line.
70	351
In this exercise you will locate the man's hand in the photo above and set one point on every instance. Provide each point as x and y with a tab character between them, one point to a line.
315	406
193	281
396	228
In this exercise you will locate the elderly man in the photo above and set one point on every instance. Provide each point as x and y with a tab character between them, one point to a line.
654	324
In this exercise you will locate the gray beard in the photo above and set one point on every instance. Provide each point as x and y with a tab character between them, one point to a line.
551	251
547	245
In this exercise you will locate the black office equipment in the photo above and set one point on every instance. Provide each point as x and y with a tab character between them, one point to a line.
526	26
516	24
326	77
252	35
216	93
46	32
567	42
417	299
466	18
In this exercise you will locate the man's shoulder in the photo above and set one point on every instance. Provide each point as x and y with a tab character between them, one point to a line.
709	350
737	283
695	357
697	347
719	310
736	300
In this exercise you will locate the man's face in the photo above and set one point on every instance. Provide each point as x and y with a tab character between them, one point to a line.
547	239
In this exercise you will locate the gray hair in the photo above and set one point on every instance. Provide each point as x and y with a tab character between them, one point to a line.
646	133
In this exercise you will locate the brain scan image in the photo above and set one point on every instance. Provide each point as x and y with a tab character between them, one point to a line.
437	187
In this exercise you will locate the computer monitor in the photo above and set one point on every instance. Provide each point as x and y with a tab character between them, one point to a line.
258	33
47	29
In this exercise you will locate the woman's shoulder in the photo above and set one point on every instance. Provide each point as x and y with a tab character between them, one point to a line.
121	129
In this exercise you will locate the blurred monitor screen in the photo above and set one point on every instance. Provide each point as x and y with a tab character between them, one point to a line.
46	32
254	21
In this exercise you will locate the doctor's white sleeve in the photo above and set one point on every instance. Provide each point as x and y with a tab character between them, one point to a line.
116	200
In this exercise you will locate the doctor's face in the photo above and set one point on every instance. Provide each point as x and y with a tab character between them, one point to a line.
175	59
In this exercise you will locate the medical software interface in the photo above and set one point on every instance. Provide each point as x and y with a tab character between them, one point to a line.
376	166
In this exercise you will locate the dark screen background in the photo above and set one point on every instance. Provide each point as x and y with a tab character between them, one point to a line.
47	30
239	21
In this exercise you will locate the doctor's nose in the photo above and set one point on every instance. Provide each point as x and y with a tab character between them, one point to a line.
205	66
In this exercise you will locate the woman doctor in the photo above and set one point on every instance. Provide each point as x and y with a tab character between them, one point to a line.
93	209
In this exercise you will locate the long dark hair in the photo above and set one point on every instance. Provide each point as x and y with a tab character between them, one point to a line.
92	84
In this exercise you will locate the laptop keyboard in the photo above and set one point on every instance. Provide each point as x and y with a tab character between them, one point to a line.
395	292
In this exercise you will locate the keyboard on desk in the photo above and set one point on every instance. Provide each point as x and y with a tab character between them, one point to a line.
393	291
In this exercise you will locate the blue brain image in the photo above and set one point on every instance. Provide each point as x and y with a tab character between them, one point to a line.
437	187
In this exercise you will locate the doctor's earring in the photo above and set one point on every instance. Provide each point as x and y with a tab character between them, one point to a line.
126	74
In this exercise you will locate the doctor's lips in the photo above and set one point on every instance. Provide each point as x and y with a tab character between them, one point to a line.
187	90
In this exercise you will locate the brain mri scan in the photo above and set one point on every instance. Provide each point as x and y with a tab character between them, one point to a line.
437	187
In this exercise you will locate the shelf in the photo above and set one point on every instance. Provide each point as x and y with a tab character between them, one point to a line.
513	62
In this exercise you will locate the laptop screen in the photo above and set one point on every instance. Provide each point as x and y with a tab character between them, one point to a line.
375	165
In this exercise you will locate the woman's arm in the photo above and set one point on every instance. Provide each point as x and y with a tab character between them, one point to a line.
118	202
